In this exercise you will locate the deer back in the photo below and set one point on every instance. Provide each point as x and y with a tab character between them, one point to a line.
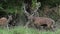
3	20
42	20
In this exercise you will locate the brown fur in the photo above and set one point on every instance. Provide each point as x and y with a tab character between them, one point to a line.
38	21
3	21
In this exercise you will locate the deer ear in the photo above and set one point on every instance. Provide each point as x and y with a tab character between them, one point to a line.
10	17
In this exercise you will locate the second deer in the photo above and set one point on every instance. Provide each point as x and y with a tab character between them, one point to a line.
4	21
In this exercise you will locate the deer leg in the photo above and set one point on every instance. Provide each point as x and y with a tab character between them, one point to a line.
37	26
27	24
48	27
52	27
7	27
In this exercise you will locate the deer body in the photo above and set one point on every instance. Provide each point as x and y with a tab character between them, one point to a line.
4	21
38	21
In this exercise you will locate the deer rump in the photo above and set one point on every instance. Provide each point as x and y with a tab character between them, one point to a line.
3	21
43	21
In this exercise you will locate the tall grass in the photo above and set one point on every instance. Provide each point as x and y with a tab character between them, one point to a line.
22	30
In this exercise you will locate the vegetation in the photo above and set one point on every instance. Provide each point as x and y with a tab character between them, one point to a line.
15	8
22	30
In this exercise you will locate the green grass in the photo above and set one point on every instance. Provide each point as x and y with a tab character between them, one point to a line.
22	30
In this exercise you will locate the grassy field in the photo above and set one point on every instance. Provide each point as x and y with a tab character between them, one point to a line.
21	30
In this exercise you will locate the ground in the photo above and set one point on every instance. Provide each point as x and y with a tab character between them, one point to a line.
22	30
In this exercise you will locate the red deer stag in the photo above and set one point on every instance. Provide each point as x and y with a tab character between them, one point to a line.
41	21
4	21
38	21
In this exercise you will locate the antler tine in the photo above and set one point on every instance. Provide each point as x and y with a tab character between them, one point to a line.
37	7
24	7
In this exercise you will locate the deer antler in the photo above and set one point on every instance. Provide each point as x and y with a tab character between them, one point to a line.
30	16
25	10
37	7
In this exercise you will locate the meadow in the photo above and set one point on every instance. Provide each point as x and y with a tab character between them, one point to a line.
22	30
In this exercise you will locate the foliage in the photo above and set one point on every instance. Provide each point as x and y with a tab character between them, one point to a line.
22	30
34	4
49	2
11	5
15	7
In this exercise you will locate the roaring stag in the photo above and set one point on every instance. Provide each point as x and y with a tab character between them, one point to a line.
39	21
4	21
